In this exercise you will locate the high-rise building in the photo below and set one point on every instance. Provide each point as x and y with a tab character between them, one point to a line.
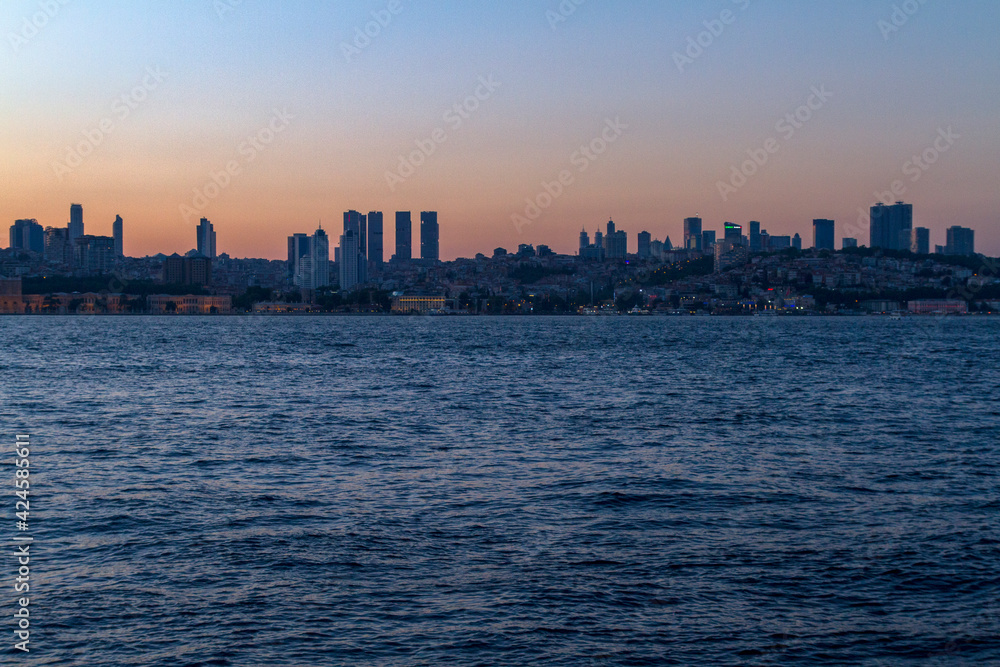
692	234
891	226
920	242
584	241
707	239
645	239
961	241
358	224
730	252
94	255
755	244
429	236
404	236
27	235
350	256
376	252
118	233
58	249
823	234
615	243
733	233
206	239
797	242
319	255
75	222
299	246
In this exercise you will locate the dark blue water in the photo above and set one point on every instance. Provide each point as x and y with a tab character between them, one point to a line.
608	491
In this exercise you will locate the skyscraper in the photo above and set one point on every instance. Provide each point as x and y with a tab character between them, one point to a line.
692	234
350	254
118	232
920	243
707	239
299	246
584	241
58	249
429	236
823	234
891	226
404	236
755	243
376	252
320	260
734	233
797	242
27	235
961	241
645	239
75	222
206	238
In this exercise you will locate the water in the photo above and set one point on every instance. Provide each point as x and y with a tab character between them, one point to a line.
607	491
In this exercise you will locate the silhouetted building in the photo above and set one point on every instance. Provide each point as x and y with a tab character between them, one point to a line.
299	246
376	252
708	240
692	234
319	255
730	252
961	241
196	270
797	242
824	232
27	235
94	255
499	253
644	240
75	222
206	239
755	244
920	242
429	236
850	243
58	249
350	260
357	224
615	243
733	233
404	236
118	233
891	226
584	241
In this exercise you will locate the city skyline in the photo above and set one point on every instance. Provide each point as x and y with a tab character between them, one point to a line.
477	111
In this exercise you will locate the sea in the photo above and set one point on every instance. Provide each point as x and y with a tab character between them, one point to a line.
504	491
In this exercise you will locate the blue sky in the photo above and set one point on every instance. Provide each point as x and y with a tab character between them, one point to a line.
352	118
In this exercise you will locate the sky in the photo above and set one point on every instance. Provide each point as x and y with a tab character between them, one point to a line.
268	118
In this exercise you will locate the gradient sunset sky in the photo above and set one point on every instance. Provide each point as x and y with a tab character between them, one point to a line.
227	66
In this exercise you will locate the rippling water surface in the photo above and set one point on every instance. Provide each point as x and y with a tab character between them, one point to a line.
429	491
